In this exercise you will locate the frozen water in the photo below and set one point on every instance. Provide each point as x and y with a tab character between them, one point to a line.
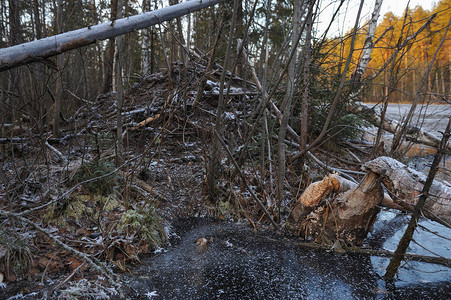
241	265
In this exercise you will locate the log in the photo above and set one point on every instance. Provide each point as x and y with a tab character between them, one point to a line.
405	185
336	184
42	49
145	122
413	133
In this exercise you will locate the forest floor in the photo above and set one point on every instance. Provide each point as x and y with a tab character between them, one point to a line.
127	213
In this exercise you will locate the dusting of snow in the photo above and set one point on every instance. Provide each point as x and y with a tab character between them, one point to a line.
152	294
228	244
18	296
229	116
159	250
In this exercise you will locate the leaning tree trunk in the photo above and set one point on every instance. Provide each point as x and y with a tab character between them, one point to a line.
41	49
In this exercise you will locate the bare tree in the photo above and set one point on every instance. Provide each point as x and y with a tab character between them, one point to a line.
286	105
59	75
214	165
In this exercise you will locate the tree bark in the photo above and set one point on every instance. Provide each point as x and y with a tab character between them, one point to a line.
41	49
286	104
368	46
108	62
347	218
306	82
59	76
405	185
338	209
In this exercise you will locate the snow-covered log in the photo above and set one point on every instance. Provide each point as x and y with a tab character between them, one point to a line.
44	48
405	185
413	133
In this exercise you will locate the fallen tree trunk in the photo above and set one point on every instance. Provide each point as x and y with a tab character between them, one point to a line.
44	48
413	133
405	185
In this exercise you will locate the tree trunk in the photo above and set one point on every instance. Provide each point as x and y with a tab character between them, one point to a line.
405	185
59	76
214	164
368	46
349	213
348	217
306	82
108	62
119	89
286	105
38	50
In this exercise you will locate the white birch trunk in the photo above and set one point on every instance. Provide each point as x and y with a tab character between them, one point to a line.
41	49
368	46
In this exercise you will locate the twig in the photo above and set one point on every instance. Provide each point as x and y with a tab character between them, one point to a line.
58	153
68	277
145	122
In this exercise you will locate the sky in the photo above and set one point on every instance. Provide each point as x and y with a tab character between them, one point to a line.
350	8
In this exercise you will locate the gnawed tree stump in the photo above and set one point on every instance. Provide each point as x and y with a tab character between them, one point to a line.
338	209
405	185
347	217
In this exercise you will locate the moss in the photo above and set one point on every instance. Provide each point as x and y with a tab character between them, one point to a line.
81	207
225	209
144	225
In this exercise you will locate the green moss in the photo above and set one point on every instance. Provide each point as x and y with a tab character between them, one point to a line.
80	207
144	225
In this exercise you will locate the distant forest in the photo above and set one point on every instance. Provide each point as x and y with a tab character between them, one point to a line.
87	72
